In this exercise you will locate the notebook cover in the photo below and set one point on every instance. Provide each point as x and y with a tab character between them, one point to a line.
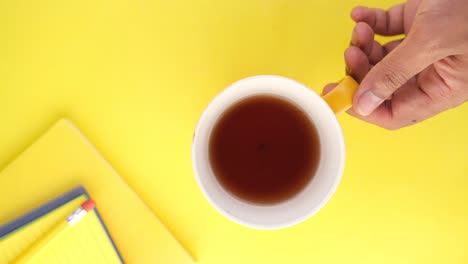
17	225
61	159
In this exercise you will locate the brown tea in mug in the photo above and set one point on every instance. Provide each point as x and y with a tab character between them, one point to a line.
264	149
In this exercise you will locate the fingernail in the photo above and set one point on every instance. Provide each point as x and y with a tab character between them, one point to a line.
368	102
347	70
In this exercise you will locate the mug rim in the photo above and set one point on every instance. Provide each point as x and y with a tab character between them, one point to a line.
313	210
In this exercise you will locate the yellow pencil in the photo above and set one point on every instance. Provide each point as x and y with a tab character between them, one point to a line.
55	233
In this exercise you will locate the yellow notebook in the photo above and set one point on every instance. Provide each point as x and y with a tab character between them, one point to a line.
62	159
87	241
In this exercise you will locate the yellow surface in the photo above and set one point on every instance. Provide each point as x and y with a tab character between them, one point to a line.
340	98
136	75
85	242
62	159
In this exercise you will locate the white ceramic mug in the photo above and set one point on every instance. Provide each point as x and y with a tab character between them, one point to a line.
321	111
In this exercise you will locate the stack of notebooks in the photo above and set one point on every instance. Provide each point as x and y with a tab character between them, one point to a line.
61	202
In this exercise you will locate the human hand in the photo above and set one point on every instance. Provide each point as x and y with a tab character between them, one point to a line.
406	81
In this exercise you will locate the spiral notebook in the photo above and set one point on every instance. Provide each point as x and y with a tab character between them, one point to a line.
88	241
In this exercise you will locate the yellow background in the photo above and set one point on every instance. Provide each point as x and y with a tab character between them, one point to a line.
135	76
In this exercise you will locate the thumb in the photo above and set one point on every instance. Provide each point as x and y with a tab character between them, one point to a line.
408	59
